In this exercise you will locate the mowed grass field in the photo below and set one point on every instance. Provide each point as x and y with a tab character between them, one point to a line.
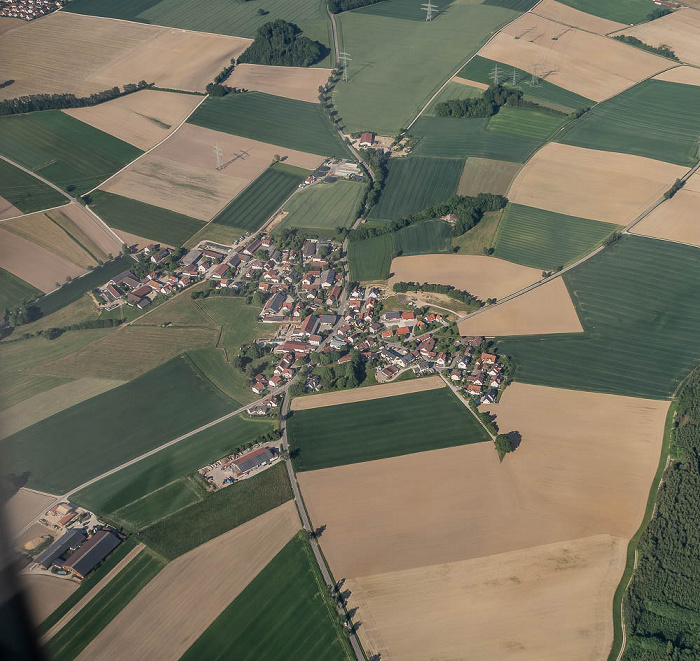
273	119
416	182
624	11
544	239
521	123
656	118
25	192
254	206
284	613
390	82
642	323
325	206
481	69
143	219
81	442
371	259
387	427
62	149
218	512
104	606
14	290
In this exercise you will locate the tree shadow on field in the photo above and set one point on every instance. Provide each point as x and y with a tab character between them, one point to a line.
516	439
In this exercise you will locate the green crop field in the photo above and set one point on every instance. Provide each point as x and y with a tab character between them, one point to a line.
63	149
387	427
623	11
104	606
239	19
656	118
138	481
325	206
218	512
14	290
25	192
517	5
371	259
415	183
390	82
452	91
254	206
521	123
212	363
81	442
544	239
642	322
142	219
72	291
285	613
453	137
273	119
481	70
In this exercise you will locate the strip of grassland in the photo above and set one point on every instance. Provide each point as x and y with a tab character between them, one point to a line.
284	613
526	123
622	11
14	290
479	238
143	219
25	192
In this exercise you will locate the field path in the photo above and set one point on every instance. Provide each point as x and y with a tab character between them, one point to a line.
90	595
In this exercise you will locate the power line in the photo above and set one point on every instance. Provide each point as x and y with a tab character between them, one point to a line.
429	8
345	58
495	75
219	157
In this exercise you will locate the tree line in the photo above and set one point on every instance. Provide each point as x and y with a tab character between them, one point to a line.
664	50
338	6
281	43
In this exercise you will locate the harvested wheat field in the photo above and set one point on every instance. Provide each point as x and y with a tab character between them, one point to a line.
556	11
46	593
45	404
544	603
584	63
484	277
181	174
485	175
680	30
8	210
177	606
128	352
100	234
545	309
470	83
584	467
7	24
366	394
683	75
293	82
142	119
24	506
594	184
34	264
138	242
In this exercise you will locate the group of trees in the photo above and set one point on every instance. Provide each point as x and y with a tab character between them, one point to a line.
338	6
664	50
37	102
338	377
677	185
281	43
448	290
378	161
662	605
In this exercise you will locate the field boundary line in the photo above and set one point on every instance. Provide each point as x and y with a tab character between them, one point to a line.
24	215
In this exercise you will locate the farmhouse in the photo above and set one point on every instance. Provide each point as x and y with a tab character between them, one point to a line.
366	139
92	552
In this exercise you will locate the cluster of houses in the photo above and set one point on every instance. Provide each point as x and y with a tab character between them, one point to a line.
29	9
480	378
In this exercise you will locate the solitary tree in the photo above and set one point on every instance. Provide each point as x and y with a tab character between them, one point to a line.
503	445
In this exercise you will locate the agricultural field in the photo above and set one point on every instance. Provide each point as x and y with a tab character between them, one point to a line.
324	207
291	82
629	303
24	193
484	175
416	182
239	321
521	123
683	75
387	427
561	12
477	238
542	311
207	580
656	119
624	11
451	137
213	363
371	259
142	118
169	466
256	625
116	426
14	290
104	606
67	152
45	593
216	233
254	206
141	219
389	84
289	123
482	70
546	240
600	185
582	62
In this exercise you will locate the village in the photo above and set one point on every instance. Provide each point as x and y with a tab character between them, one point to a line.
29	9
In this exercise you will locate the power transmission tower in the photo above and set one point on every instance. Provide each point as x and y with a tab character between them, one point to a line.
345	58
515	76
535	75
429	8
219	157
495	75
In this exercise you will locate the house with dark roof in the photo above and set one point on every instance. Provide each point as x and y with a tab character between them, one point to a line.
92	552
254	460
70	539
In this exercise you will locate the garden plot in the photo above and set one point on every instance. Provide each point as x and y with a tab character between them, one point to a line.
592	184
293	82
556	11
585	63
